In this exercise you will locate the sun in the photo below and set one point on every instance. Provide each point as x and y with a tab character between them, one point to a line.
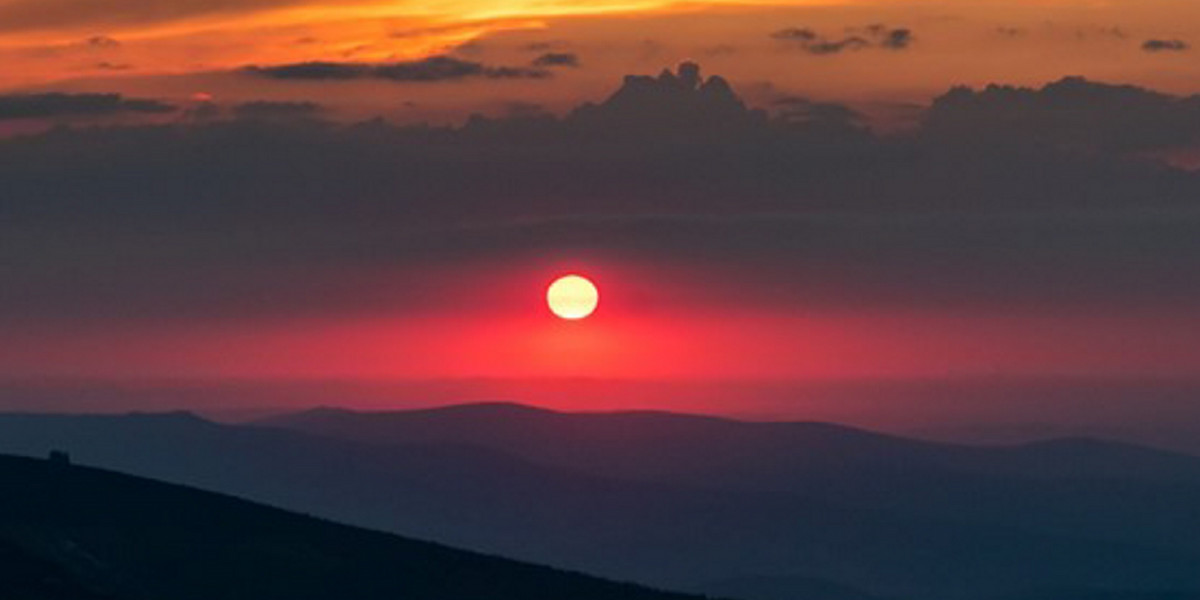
572	297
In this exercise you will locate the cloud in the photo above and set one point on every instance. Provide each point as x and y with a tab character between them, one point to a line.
314	70
544	46
798	34
111	66
1000	199
803	110
896	39
102	41
835	47
557	59
427	70
1165	46
1070	113
674	105
949	263
871	36
265	109
54	104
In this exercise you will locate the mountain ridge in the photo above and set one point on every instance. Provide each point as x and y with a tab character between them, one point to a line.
487	410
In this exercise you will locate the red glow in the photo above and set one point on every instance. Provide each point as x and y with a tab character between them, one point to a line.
492	322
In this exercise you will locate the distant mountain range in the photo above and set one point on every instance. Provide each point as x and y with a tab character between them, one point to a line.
76	533
711	450
758	511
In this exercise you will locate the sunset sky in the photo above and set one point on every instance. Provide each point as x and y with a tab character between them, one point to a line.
287	189
180	50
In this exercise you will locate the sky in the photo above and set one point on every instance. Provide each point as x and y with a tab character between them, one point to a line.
302	189
178	51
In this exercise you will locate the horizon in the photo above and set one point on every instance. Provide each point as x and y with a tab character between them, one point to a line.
979	410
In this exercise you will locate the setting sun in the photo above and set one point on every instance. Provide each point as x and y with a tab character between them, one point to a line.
572	297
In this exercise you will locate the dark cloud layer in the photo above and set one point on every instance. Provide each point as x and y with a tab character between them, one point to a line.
427	70
1006	198
557	59
264	109
950	264
36	106
1071	112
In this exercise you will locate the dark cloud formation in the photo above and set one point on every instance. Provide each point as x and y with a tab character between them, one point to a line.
857	38
681	103
557	59
896	39
55	104
545	46
796	34
111	66
102	41
838	119
1114	33
315	70
1165	46
266	109
427	70
1072	112
834	47
998	202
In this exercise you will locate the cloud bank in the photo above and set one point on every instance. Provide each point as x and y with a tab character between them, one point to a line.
1004	198
51	105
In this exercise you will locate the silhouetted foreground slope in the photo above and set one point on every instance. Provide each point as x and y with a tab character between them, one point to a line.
24	576
77	533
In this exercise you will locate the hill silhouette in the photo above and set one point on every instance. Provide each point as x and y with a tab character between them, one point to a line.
871	527
83	533
1078	487
24	576
762	455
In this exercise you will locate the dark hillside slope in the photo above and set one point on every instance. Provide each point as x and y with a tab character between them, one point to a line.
134	538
